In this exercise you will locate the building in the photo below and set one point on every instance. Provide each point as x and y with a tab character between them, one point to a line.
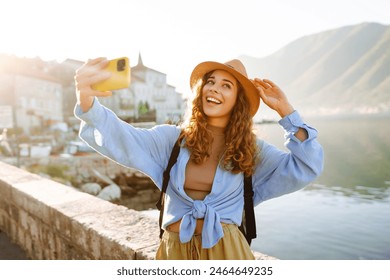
34	96
42	94
148	98
65	72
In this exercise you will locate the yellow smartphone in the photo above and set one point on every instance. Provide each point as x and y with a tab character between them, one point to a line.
120	75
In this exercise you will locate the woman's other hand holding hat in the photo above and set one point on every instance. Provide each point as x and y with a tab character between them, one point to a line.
273	96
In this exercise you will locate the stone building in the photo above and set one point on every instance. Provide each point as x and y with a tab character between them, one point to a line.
148	98
41	94
34	96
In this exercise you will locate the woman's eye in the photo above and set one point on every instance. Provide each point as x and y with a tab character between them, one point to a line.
227	86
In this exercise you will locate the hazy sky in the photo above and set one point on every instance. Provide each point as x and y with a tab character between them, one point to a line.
172	35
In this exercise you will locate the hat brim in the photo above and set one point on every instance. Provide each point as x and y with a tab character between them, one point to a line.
250	90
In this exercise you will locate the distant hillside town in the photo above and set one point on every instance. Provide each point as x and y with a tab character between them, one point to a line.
40	93
37	100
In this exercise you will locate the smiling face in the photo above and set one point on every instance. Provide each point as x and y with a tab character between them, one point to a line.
219	95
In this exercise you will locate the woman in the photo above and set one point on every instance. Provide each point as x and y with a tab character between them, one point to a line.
204	200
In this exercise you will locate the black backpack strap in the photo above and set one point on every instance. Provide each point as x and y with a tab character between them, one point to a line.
250	222
166	177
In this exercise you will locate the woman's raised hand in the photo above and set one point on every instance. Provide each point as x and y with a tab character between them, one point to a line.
88	74
273	96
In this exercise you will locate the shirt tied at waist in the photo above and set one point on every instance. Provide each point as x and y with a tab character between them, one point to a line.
212	229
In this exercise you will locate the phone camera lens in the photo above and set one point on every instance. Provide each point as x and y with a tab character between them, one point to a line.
120	65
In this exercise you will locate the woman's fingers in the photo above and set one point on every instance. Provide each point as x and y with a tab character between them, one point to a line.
97	77
262	94
91	73
96	60
270	82
91	78
265	83
257	83
260	88
91	67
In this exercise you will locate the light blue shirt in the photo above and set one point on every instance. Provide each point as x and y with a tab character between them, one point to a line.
148	151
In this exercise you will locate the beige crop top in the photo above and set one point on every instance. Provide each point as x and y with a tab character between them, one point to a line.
200	177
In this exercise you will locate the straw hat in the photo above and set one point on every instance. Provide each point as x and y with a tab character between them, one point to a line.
237	69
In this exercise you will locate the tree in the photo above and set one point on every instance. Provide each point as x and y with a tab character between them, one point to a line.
143	108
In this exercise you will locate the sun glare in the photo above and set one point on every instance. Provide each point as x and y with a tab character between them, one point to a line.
171	37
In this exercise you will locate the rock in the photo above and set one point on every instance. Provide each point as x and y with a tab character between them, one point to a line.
128	190
110	193
102	177
91	188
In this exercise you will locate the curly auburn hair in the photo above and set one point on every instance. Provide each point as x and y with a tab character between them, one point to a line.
241	149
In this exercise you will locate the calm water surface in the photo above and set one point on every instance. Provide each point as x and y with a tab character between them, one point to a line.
345	214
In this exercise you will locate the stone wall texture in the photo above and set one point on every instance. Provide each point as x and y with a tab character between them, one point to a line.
57	222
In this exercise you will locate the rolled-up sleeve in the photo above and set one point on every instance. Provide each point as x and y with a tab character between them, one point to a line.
146	150
280	172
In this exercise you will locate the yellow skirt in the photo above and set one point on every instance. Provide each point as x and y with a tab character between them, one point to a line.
232	246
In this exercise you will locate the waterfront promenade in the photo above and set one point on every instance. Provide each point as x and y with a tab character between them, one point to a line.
53	221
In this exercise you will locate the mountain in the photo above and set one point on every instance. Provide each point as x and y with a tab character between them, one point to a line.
345	71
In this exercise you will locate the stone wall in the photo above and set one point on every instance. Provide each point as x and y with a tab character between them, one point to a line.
138	191
53	221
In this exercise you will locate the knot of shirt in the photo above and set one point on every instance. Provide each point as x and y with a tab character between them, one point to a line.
199	209
212	229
